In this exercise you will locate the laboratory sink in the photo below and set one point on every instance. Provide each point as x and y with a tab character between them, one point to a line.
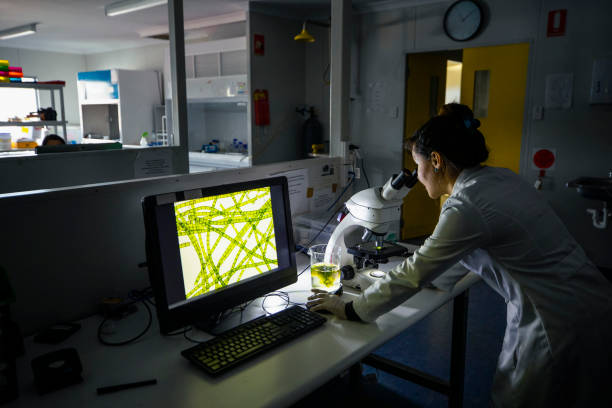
594	188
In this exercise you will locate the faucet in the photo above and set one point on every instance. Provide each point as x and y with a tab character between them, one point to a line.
600	222
600	217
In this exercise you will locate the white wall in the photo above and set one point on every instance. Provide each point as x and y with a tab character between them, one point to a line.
149	58
49	66
581	134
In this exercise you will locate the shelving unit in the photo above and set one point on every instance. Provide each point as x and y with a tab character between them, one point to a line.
41	87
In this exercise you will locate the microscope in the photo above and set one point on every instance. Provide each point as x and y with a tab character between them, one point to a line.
373	210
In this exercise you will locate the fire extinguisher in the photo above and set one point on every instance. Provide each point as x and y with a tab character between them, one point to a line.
262	107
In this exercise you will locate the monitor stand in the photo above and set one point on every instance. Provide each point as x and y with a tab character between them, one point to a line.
215	326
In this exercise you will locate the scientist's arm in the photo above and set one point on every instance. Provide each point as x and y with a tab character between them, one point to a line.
450	277
459	231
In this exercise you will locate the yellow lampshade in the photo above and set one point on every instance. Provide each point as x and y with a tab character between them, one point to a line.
304	35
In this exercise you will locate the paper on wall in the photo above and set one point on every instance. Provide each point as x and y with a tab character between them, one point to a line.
322	198
152	163
297	181
558	92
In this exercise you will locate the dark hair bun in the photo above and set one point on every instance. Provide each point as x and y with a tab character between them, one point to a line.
455	136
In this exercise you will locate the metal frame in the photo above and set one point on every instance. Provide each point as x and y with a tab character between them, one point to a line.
38	87
452	388
179	83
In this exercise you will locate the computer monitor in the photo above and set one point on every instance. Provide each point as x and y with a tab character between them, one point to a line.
217	247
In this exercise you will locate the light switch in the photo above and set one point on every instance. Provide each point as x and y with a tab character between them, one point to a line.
601	83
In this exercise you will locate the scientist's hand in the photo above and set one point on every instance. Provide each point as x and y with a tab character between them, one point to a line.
322	300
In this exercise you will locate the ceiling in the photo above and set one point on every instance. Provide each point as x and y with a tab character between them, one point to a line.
81	27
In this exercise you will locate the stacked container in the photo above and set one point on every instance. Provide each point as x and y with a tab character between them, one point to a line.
4	69
8	73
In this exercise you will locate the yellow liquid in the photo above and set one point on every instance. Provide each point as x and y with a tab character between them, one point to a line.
325	276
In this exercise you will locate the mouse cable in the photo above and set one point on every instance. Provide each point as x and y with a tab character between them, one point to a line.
283	295
123	343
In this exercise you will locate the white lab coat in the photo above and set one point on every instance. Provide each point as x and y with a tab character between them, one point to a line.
557	349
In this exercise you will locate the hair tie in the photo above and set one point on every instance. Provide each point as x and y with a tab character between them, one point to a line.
468	123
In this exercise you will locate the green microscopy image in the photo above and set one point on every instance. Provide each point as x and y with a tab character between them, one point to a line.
224	239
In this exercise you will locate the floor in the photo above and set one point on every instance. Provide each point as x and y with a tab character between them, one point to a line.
426	346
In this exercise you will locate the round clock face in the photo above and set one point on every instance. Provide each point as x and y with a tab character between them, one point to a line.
462	20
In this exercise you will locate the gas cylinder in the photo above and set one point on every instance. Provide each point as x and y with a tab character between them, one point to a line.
312	132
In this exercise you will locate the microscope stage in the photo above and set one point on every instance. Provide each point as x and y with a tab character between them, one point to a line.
369	250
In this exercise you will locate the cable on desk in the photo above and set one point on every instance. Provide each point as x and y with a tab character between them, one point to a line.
135	295
280	294
123	343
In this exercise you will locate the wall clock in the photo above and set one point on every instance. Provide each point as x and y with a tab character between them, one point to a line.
463	20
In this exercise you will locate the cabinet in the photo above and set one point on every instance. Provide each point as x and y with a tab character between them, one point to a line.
215	70
217	93
52	88
118	104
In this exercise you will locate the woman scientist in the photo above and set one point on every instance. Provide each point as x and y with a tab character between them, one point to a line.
557	349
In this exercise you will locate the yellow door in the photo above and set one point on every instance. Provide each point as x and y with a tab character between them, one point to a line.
425	86
502	125
505	67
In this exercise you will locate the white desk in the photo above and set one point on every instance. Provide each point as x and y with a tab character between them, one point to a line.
276	379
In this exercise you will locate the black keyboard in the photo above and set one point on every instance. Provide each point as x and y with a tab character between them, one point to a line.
237	345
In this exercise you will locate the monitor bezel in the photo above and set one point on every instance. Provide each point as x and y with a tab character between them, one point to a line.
171	319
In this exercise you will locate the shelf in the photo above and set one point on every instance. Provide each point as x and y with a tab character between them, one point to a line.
36	124
38	87
100	102
30	85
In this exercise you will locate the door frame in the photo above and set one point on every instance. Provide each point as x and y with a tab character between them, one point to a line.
529	103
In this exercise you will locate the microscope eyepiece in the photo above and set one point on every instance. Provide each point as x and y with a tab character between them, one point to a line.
405	178
412	179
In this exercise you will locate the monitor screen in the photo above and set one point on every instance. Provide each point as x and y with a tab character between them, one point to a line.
214	248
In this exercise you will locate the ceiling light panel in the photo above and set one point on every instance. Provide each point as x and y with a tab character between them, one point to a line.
129	6
18	31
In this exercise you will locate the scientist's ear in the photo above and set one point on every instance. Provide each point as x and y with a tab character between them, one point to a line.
436	161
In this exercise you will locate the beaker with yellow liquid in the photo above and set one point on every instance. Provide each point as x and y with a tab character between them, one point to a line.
325	268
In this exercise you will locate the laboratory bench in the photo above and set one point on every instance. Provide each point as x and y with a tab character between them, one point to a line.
278	378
